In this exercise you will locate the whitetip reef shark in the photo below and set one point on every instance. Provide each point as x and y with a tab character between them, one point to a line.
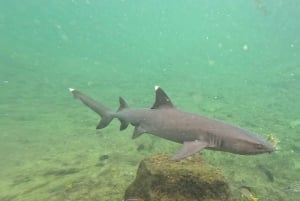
194	131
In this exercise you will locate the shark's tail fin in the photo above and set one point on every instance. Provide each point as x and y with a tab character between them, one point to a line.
105	113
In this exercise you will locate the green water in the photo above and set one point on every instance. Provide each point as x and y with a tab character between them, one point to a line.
238	61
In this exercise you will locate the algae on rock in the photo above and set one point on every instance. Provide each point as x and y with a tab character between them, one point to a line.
161	179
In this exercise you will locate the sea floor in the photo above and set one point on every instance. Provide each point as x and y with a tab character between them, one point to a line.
53	152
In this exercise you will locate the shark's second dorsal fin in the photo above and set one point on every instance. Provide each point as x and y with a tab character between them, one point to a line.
123	105
161	99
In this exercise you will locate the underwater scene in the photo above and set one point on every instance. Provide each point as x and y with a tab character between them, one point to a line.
237	61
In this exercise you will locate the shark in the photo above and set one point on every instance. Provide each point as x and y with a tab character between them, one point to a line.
195	132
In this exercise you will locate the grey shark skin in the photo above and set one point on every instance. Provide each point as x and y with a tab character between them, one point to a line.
194	131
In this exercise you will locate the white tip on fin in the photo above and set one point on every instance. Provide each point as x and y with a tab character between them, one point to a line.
71	89
156	87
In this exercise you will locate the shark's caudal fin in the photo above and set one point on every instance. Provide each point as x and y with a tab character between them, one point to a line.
105	113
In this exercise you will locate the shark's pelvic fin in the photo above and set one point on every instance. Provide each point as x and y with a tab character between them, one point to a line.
138	130
189	148
161	99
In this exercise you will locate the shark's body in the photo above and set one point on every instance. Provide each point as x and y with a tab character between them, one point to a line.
195	132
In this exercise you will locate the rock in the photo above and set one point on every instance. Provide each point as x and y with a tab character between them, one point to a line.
161	179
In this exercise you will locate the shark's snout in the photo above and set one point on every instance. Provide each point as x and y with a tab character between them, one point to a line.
263	147
269	147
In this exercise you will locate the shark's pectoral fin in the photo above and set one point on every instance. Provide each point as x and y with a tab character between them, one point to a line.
138	130
189	148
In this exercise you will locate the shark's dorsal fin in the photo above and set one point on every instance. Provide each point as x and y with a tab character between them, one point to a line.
161	99
123	104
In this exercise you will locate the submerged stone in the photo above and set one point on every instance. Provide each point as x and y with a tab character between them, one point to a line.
161	179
